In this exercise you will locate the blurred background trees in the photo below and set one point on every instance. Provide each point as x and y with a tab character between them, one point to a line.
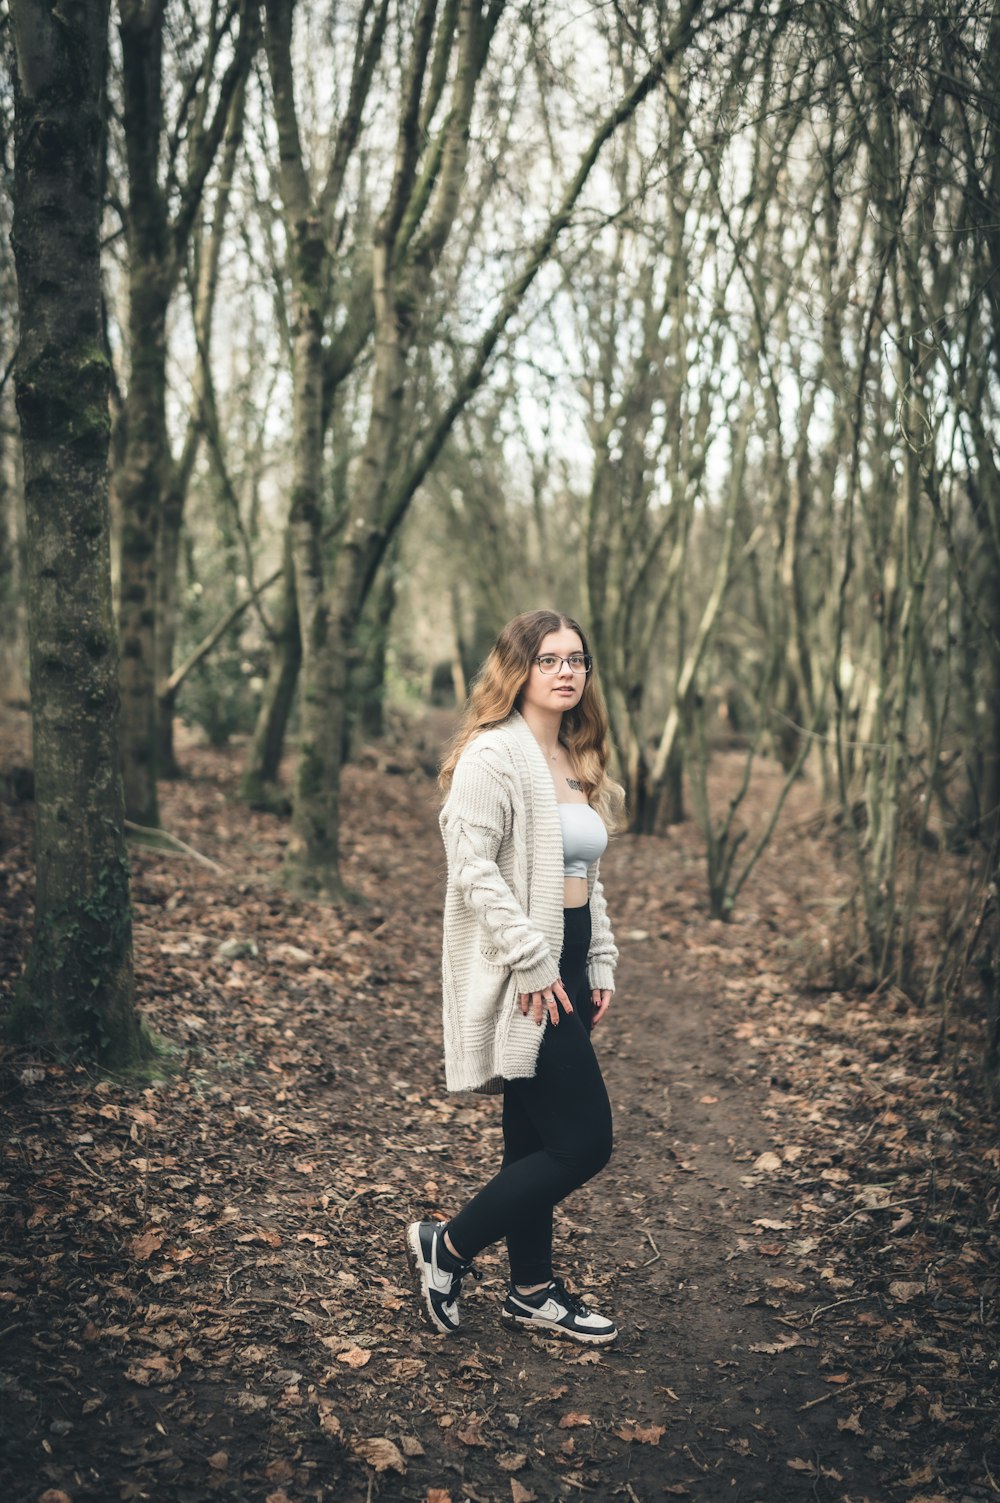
681	316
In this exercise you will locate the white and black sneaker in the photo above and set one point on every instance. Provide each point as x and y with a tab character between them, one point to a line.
437	1274
556	1312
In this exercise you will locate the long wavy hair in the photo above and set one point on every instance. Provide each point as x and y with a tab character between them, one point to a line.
496	691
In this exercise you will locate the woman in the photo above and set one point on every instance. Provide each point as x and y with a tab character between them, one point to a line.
528	963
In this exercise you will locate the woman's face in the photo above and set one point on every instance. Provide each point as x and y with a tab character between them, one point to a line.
564	688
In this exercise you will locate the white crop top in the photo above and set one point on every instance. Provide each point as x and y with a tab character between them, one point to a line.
585	838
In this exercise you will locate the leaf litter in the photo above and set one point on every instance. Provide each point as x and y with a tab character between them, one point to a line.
202	1285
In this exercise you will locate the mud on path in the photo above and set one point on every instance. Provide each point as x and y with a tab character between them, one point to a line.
203	1291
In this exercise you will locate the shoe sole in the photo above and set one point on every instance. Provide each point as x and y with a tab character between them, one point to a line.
550	1328
415	1258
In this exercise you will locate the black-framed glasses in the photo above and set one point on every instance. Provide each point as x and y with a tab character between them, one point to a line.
550	662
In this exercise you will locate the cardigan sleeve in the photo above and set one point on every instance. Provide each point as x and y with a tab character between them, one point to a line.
602	957
474	821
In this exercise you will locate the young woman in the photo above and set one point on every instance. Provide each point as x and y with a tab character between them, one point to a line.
528	963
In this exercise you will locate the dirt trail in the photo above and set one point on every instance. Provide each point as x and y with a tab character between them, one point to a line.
203	1286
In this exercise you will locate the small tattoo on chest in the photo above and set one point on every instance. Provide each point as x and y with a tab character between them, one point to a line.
575	784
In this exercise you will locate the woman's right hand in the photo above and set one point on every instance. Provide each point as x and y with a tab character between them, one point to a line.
548	1000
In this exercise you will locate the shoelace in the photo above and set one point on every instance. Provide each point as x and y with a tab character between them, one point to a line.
459	1274
572	1302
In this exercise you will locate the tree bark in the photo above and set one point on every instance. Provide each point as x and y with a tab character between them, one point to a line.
159	222
260	776
77	991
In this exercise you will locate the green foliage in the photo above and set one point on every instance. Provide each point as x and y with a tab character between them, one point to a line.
218	696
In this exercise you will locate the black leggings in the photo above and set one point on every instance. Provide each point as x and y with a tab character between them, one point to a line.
556	1130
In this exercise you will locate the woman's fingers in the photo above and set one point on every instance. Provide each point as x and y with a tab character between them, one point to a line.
547	1001
601	1001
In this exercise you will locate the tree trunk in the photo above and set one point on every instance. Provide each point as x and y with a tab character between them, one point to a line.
140	485
77	991
366	713
167	618
260	777
311	861
159	221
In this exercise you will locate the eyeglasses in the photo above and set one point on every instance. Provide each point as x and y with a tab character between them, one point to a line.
579	662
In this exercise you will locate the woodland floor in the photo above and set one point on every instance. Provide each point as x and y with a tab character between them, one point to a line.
203	1293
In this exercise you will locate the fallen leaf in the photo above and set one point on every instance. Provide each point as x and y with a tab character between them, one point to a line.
798	1465
410	1446
438	1495
355	1356
771	1348
906	1289
219	1460
146	1245
279	1470
646	1435
874	1197
767	1163
470	1434
512	1461
329	1422
519	1494
572	1420
380	1453
151	1370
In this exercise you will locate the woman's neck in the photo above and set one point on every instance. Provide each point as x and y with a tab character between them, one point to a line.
544	726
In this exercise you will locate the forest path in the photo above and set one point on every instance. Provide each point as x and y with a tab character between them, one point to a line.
203	1282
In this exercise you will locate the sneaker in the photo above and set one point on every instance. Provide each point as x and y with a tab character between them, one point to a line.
437	1274
556	1311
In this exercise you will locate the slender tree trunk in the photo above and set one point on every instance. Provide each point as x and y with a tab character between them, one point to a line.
77	991
208	255
366	713
260	776
159	220
140	485
167	620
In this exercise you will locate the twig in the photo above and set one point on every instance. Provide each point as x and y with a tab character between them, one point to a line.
992	1479
173	842
631	1491
692	1457
821	1309
892	1205
92	1172
824	1398
656	1251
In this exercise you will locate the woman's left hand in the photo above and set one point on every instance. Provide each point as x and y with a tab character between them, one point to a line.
601	1001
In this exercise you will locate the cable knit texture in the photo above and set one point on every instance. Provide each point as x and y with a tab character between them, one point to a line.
503	913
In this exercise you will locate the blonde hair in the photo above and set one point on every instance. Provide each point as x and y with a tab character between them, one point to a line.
496	692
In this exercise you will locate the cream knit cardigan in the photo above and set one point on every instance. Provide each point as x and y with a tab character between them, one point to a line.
503	913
